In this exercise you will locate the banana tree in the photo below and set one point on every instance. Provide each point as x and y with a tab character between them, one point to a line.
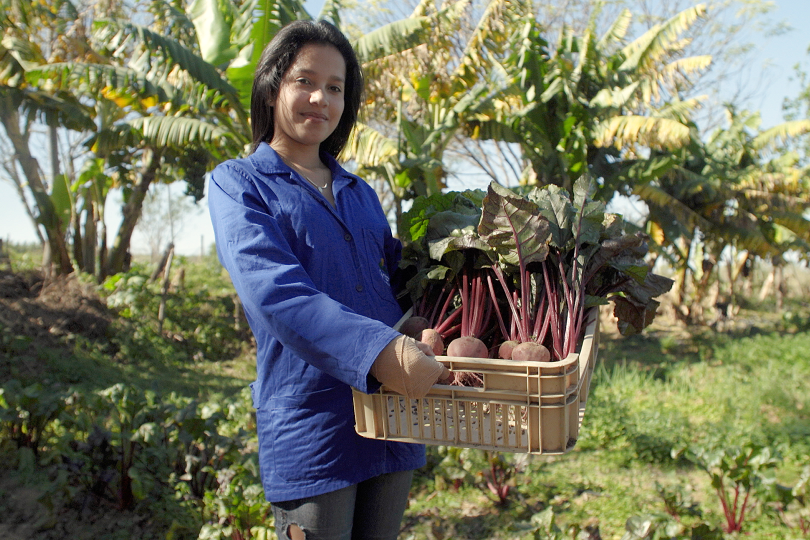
422	97
167	101
730	191
591	104
23	105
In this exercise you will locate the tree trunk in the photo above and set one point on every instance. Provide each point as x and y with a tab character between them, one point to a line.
102	253
736	271
775	281
78	243
748	275
684	272
47	213
164	291
131	212
765	290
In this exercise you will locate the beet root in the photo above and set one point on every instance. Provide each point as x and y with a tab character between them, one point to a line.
531	351
505	350
469	347
413	326
431	337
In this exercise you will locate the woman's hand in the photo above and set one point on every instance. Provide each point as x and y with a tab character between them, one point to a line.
409	367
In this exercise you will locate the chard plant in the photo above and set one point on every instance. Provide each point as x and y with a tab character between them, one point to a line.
738	475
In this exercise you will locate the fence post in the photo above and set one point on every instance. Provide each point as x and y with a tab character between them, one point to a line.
165	288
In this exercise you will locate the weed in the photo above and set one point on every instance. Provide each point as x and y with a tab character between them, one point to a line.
662	526
678	500
237	508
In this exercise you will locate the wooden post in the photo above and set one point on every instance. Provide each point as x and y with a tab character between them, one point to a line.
5	259
165	289
163	259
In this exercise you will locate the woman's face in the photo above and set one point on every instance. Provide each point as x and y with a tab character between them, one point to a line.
310	99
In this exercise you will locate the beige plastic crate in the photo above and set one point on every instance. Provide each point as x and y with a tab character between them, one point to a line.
525	407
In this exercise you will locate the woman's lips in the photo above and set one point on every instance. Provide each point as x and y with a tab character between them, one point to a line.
315	116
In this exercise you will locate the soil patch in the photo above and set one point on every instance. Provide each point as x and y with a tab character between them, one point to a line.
41	308
37	313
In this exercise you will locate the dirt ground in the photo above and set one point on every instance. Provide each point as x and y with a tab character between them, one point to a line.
46	309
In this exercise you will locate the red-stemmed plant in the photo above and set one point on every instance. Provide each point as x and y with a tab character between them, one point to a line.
541	259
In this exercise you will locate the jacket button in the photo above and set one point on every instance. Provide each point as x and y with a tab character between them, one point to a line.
347	237
359	288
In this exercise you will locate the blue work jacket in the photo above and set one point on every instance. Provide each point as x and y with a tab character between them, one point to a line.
314	283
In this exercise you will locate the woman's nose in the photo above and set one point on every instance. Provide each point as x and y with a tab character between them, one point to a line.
318	96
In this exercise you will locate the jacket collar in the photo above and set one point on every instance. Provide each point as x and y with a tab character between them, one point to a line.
267	161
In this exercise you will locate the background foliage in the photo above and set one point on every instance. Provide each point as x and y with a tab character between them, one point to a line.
129	433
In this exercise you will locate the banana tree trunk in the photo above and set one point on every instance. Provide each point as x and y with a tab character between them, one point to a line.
90	240
47	213
779	282
683	273
131	213
78	243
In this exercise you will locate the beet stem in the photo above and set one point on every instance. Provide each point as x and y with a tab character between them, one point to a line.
494	301
465	304
511	301
450	319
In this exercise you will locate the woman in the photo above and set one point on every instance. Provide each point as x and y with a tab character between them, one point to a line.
310	253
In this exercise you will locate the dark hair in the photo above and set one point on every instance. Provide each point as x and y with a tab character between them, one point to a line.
277	58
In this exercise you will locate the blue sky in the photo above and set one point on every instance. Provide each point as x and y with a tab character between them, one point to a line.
779	53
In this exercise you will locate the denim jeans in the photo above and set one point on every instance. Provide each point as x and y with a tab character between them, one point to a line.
370	510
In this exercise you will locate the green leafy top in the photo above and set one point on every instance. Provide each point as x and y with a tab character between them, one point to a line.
563	254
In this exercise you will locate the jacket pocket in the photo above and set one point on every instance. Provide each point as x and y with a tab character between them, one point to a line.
310	433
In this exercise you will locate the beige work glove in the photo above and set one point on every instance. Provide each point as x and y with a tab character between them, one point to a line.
405	367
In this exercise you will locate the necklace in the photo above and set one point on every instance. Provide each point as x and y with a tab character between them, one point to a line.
307	178
322	189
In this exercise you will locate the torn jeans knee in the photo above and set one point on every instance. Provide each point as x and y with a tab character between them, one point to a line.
295	532
287	530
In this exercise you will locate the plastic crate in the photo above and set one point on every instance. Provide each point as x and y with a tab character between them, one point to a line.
523	407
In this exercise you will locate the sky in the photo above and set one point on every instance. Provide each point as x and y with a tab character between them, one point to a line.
779	53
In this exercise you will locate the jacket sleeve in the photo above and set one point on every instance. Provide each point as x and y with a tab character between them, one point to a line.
278	294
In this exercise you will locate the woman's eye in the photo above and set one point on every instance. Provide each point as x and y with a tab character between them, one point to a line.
337	89
301	80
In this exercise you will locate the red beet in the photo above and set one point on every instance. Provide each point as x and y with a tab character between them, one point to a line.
413	326
505	350
434	339
531	351
469	347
